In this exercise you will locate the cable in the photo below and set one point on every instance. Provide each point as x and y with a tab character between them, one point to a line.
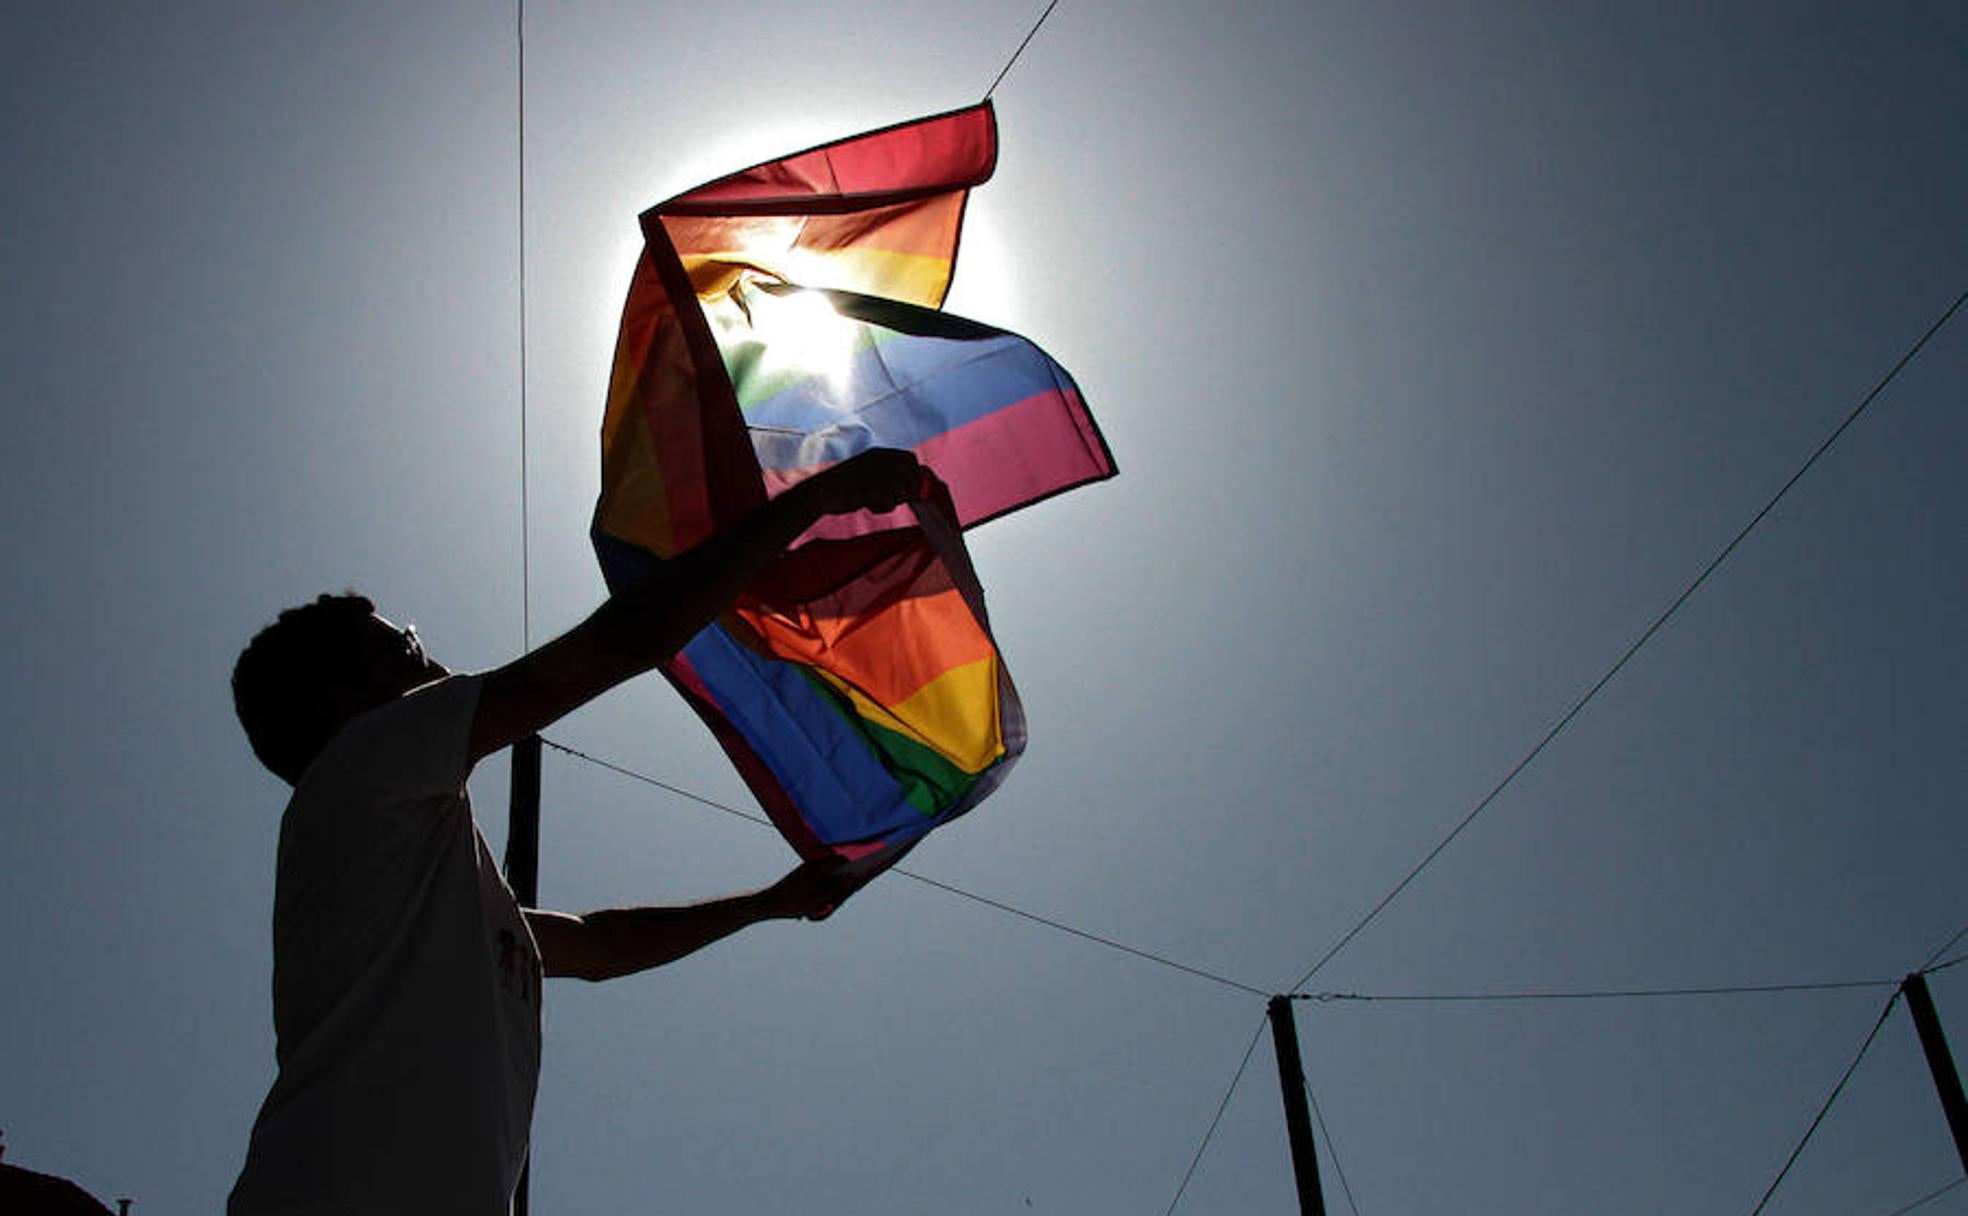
1945	947
525	555
1645	636
1826	1108
1220	1108
1092	937
1929	1197
679	791
988	902
1029	35
523	1189
1956	961
1592	995
1332	1149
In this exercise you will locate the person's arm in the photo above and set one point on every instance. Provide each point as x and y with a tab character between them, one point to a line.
647	623
622	941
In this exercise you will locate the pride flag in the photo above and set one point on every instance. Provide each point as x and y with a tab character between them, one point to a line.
780	320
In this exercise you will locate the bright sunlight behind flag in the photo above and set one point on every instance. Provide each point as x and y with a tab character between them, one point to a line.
781	320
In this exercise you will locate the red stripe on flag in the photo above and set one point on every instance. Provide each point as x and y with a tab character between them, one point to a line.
928	156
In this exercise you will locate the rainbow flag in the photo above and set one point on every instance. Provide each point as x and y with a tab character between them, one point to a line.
780	320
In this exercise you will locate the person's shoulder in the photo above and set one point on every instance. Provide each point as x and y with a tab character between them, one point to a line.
418	740
441	700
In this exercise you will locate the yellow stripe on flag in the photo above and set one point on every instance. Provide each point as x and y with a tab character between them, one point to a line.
956	714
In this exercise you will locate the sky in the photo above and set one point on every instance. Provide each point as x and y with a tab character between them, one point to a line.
1440	347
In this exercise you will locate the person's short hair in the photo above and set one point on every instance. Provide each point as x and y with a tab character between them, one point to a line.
280	682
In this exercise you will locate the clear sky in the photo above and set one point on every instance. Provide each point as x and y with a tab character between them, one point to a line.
1440	346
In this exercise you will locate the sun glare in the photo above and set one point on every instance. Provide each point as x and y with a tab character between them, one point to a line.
801	334
984	288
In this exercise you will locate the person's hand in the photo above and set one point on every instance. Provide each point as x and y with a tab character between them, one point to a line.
879	479
811	891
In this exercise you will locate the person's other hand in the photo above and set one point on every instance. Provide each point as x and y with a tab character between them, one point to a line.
879	479
811	891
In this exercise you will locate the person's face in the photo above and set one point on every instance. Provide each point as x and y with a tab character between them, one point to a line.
385	662
397	662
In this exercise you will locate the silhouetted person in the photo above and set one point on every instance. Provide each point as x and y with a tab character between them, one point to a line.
405	978
27	1193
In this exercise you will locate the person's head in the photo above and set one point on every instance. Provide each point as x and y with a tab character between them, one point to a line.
316	667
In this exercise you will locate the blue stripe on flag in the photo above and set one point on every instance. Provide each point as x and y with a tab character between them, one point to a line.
898	393
825	765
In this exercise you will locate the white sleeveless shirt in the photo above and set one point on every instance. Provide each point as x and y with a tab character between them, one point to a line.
406	986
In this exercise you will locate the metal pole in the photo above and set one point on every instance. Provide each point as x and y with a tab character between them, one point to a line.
523	868
1940	1062
1298	1117
523	823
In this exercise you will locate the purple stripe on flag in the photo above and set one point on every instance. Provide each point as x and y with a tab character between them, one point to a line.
1030	449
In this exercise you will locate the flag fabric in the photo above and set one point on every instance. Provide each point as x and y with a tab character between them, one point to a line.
780	320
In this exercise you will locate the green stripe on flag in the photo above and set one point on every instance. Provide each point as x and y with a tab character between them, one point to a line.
930	781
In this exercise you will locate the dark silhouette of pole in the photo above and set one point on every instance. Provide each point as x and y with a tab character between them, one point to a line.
523	867
1298	1117
1947	1082
523	823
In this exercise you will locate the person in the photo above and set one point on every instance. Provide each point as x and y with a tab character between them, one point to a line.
405	977
25	1192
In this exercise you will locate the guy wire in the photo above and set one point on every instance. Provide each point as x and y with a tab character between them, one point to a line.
1826	1108
1928	1198
1332	1146
1944	948
1222	1106
1029	35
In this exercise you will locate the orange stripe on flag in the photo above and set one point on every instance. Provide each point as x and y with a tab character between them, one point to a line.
889	652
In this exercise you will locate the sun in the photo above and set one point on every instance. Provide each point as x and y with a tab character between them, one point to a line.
800	334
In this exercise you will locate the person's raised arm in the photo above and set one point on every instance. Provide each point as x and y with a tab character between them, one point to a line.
622	941
648	622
